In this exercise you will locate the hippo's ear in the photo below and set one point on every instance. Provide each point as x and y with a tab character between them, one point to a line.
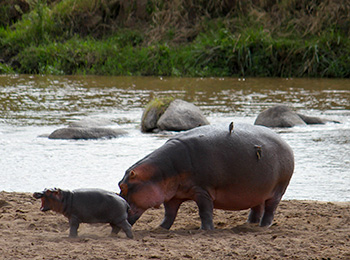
132	174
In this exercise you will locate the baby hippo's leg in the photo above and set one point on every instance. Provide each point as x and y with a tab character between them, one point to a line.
126	228
115	229
74	225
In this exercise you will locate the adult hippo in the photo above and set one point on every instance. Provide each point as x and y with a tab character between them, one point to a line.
231	168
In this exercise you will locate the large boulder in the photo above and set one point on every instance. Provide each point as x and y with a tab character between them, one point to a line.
279	116
152	113
86	133
181	115
171	115
283	116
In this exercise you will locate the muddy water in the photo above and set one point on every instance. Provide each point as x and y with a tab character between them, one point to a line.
31	106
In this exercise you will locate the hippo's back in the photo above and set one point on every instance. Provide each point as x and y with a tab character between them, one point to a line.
251	155
97	205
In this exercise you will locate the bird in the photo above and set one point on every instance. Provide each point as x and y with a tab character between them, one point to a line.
230	128
258	151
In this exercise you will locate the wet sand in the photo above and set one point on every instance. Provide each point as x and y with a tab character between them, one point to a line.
301	230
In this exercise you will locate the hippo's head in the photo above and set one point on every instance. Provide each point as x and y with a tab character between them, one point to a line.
141	189
51	199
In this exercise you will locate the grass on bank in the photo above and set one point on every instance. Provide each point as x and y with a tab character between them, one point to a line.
186	38
253	53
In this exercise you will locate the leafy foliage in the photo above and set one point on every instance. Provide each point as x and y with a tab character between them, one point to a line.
178	38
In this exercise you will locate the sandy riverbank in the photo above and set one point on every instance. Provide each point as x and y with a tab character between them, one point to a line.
301	230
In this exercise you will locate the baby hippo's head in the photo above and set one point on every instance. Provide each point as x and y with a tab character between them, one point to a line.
51	199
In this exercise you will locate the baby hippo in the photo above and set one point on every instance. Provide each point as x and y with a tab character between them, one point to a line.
87	206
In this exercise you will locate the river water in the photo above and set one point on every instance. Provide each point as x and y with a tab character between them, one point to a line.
31	106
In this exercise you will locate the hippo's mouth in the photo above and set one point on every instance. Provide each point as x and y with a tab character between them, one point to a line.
133	219
38	195
43	208
134	214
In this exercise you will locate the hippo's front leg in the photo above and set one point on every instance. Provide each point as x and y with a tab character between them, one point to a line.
171	207
205	206
74	225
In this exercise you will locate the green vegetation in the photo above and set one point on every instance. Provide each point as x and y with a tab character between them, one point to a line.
153	111
278	38
159	105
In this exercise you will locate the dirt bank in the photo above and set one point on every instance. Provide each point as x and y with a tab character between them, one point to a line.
301	230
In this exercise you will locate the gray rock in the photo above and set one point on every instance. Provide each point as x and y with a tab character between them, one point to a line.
310	120
279	116
150	118
85	133
181	115
283	116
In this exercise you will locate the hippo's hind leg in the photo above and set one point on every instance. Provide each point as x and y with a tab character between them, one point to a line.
115	228
125	226
171	207
256	214
270	208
